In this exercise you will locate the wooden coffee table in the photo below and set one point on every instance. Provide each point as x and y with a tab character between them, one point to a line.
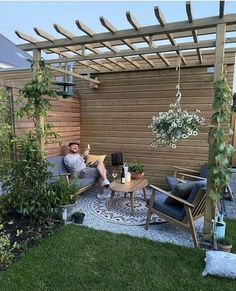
128	187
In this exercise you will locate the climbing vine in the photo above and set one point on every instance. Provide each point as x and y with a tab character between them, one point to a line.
220	169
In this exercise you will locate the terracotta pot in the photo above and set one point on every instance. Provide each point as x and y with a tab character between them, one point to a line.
224	248
136	176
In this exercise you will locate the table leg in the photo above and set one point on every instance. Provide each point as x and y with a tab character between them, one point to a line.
144	194
111	199
132	202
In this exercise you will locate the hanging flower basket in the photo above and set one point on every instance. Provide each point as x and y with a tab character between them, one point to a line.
170	127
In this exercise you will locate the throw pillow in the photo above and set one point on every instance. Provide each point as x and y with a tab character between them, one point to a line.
171	182
93	158
181	190
220	264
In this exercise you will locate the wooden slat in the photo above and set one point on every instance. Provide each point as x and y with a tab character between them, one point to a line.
194	32
112	29
162	22
133	21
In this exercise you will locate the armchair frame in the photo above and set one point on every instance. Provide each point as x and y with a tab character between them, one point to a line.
193	210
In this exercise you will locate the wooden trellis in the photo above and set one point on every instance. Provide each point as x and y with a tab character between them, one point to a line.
88	50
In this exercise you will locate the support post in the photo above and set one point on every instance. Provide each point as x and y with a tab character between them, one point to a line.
219	65
39	119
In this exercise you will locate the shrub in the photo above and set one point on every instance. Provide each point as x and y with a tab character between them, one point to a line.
136	167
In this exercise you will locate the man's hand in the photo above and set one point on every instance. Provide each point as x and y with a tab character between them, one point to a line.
85	153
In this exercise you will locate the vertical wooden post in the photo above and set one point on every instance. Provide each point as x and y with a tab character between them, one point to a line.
219	66
39	119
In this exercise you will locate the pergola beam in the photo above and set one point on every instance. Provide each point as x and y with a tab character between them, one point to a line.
162	22
113	30
166	48
133	21
67	72
194	32
181	26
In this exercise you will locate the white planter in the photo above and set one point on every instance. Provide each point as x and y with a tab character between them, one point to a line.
70	209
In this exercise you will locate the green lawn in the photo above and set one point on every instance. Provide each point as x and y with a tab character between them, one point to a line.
79	258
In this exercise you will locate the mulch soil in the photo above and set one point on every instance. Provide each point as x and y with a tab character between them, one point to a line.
31	232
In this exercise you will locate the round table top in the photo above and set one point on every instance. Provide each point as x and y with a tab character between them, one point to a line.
133	185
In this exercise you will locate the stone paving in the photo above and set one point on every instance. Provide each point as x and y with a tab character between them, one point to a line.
230	206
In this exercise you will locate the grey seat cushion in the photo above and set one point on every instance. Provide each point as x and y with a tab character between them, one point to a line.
176	211
181	190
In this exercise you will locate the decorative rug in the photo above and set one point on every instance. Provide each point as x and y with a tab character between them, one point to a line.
120	211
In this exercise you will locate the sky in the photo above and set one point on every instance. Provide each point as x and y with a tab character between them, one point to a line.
25	15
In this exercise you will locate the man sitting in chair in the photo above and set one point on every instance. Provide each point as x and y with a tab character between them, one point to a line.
75	163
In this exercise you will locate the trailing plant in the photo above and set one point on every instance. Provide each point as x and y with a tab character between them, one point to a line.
174	125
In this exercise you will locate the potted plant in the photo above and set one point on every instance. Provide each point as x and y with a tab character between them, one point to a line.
66	195
224	244
136	169
78	217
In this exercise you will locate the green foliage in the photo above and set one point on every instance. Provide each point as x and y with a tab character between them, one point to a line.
225	241
28	190
65	193
220	169
136	166
34	93
81	257
7	248
5	136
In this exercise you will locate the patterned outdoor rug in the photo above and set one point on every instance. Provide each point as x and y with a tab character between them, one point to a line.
120	211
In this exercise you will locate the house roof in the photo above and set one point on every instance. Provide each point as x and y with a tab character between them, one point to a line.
12	57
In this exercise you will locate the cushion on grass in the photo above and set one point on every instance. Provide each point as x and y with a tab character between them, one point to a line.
181	190
171	182
93	158
176	211
220	264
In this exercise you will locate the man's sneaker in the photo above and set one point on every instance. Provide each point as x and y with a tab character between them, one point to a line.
105	183
104	196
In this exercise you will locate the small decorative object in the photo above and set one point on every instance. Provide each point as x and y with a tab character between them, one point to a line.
78	217
170	127
136	170
224	244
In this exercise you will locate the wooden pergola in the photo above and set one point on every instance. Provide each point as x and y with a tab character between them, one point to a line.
100	52
137	48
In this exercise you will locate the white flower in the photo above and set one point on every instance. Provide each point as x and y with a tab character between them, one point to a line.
173	146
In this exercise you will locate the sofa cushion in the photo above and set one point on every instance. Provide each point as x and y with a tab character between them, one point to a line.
93	158
57	166
171	182
181	190
176	211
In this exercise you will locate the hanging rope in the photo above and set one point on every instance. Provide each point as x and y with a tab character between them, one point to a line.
88	73
178	67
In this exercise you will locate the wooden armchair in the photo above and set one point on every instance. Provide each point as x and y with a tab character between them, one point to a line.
184	212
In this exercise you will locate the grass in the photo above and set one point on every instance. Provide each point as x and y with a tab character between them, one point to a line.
79	258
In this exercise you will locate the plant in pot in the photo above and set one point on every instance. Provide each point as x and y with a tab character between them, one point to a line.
78	217
224	244
136	169
66	195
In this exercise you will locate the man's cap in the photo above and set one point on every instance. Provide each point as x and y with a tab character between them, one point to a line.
73	142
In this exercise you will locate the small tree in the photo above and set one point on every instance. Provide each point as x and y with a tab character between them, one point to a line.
28	189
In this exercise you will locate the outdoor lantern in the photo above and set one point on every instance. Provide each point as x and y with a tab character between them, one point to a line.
117	159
